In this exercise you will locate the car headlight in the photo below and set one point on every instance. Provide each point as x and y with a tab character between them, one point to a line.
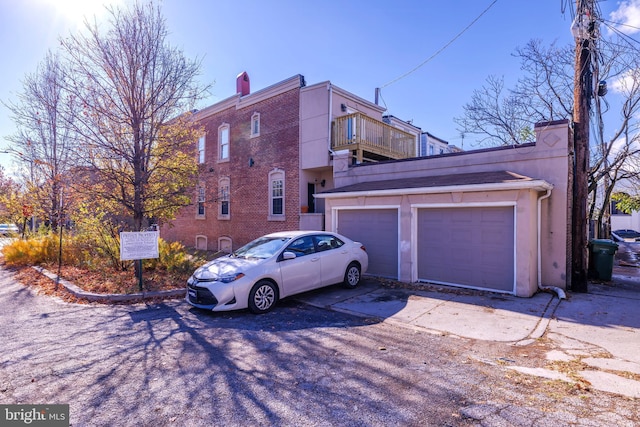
229	279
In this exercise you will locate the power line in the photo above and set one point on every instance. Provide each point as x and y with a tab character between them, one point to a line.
442	48
619	24
621	34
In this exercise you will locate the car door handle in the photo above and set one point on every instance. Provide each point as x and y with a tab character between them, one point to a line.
315	259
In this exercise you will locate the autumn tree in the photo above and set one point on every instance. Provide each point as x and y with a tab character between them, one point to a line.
11	199
44	140
130	90
544	92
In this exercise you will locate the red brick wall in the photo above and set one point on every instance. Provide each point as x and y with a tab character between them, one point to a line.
277	147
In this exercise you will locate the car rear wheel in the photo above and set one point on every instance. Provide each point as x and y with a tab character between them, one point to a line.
352	276
263	297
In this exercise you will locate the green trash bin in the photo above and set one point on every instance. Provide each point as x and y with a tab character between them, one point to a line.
602	252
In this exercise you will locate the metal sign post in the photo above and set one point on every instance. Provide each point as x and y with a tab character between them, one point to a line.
138	246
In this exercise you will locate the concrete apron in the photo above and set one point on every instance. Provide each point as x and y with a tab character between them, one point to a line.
601	329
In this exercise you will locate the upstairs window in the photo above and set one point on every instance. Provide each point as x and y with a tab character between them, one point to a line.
201	200
201	145
255	125
423	145
276	194
223	191
223	142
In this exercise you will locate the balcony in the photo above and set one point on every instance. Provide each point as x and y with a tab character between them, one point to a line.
370	140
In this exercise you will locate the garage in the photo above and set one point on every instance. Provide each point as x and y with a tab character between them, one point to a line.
467	246
377	229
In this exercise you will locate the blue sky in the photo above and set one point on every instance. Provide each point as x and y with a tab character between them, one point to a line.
356	44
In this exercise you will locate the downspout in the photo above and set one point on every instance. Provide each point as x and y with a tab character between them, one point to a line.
330	87
557	290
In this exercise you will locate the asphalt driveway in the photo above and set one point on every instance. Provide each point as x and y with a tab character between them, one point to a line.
169	364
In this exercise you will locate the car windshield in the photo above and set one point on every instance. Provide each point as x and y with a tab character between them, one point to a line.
627	233
263	247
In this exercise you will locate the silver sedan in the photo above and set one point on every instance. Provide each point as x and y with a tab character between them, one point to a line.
275	266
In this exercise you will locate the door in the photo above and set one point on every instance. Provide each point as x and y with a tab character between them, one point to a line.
311	201
468	246
302	273
377	230
334	258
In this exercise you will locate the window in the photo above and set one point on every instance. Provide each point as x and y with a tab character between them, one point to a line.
223	142
423	145
225	244
255	125
201	144
326	242
201	200
277	197
615	210
276	194
302	246
223	198
431	150
201	243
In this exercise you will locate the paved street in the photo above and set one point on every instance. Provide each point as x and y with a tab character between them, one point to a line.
168	364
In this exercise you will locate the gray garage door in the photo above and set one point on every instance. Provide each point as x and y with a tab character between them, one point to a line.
377	229
471	247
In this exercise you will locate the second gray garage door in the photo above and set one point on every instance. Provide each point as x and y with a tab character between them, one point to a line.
377	229
469	246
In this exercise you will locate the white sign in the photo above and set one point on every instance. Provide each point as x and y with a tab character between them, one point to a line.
138	245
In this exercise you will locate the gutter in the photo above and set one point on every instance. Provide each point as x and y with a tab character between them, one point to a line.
330	88
558	291
538	185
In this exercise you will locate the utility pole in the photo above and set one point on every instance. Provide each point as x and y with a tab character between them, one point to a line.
583	31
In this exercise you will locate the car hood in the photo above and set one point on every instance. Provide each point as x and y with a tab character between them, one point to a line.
225	267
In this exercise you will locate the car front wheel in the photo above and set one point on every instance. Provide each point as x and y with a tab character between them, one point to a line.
263	297
352	276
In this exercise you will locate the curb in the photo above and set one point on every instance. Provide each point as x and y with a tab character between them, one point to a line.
93	297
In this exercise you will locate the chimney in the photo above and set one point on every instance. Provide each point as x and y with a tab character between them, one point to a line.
242	84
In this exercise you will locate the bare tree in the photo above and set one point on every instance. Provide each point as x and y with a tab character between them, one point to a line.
499	116
43	142
545	93
494	116
130	89
618	162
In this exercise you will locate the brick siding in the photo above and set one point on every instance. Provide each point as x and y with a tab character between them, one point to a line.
277	147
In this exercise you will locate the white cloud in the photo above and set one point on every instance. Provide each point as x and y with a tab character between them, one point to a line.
627	16
625	84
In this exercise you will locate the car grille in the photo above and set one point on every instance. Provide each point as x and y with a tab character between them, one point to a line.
200	295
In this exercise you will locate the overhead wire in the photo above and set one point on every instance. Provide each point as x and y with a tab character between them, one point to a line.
442	48
449	43
623	36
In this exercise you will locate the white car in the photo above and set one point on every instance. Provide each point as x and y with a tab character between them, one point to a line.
9	230
275	266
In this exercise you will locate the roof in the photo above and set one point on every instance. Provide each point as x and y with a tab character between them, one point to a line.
478	181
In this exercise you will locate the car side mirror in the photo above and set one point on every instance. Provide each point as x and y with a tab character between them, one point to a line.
288	255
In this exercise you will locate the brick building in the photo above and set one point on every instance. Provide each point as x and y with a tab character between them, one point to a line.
265	154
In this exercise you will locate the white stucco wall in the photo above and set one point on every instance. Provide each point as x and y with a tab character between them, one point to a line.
546	161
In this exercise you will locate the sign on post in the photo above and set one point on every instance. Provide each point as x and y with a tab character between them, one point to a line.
138	245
